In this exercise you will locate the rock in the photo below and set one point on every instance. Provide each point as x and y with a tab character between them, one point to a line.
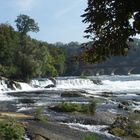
71	94
16	115
97	81
107	94
57	131
125	105
137	111
11	84
120	125
49	86
53	80
39	137
121	122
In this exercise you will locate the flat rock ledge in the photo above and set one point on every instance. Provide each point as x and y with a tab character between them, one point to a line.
56	131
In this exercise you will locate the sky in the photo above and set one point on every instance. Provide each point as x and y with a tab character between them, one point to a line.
58	20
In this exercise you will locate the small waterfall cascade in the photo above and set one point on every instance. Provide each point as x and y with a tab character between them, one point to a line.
3	85
42	82
75	82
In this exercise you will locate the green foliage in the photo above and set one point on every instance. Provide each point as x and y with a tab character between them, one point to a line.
23	58
11	130
124	126
90	137
39	115
75	107
109	28
117	131
26	24
91	107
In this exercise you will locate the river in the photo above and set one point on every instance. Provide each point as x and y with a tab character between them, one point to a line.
112	90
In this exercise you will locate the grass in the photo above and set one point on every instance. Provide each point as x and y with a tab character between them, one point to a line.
75	107
90	137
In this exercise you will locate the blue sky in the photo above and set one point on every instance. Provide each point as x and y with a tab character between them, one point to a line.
59	20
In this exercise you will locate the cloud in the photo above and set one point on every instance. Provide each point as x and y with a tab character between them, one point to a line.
25	4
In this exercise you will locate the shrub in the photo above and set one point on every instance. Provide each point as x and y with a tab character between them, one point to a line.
39	115
92	107
126	126
11	130
72	107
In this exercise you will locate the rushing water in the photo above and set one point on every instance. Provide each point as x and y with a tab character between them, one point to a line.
112	89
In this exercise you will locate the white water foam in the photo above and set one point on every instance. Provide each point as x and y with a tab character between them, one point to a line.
117	84
74	83
99	129
25	86
41	82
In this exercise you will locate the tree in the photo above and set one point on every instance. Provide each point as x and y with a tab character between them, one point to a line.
8	41
111	25
26	24
26	63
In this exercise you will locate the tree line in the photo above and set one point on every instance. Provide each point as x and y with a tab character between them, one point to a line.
23	58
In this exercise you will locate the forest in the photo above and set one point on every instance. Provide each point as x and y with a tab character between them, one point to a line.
23	58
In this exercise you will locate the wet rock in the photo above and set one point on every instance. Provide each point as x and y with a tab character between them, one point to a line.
99	118
119	126
26	101
11	84
39	137
125	105
107	94
71	94
49	86
137	111
53	80
56	131
126	126
96	81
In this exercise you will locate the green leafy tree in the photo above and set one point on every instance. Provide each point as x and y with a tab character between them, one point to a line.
111	24
26	62
26	24
59	59
8	41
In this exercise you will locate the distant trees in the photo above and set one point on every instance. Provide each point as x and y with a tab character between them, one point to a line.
22	57
111	25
